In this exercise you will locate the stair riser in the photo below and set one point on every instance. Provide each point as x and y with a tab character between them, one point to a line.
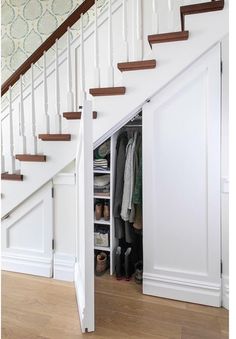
199	9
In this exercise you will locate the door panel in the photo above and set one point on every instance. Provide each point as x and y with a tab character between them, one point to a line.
84	268
181	140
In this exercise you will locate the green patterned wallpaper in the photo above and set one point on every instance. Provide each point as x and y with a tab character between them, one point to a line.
27	23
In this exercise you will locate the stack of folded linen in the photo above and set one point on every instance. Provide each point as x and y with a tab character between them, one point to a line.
100	164
102	184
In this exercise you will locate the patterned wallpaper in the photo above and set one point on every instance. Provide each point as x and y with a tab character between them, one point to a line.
27	23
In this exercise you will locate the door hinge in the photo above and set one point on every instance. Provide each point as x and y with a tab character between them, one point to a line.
53	244
52	192
221	67
221	267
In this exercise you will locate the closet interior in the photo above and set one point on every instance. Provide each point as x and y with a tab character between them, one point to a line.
118	226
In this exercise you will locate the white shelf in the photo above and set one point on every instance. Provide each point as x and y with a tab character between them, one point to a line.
101	172
102	248
102	221
102	197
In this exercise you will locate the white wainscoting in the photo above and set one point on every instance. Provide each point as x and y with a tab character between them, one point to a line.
64	267
64	225
225	291
27	235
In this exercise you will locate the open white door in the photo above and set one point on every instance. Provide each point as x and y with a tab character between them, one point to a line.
84	267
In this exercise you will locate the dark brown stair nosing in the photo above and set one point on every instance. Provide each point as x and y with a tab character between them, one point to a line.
107	91
200	8
31	157
136	65
12	177
76	115
168	37
55	137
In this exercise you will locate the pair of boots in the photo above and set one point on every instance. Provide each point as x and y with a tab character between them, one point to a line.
102	211
123	263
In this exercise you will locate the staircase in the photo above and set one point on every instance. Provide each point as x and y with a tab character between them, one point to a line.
117	66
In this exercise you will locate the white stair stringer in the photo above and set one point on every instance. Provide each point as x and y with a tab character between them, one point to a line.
205	30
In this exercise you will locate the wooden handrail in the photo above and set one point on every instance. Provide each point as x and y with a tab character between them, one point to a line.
47	44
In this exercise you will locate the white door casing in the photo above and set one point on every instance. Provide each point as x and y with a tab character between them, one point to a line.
181	186
27	235
84	267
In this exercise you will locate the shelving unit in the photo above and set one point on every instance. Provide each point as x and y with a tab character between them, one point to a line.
110	223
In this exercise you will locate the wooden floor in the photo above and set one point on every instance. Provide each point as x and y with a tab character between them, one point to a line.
37	308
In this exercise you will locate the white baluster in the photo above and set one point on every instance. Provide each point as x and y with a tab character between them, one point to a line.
70	95
170	15
2	154
57	87
11	156
155	17
170	5
125	31
82	65
139	29
96	50
22	137
33	138
45	92
110	71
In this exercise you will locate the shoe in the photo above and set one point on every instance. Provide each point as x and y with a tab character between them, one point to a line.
106	212
128	264
98	211
101	263
118	263
138	276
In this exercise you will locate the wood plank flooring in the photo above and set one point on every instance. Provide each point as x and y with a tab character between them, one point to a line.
41	308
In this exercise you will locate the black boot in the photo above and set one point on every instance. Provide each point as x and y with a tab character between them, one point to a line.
128	264
118	263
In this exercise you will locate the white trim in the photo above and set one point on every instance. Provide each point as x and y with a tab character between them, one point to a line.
64	179
225	291
29	265
182	289
64	267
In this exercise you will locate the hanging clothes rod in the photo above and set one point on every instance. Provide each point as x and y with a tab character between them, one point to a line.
132	126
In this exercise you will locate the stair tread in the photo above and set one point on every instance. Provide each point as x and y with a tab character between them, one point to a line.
55	137
168	37
136	65
200	8
105	91
31	157
13	176
76	115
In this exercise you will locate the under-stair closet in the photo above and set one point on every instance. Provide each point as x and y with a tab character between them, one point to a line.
118	224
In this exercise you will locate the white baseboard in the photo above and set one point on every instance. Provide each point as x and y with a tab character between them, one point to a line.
64	267
184	290
225	291
29	265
